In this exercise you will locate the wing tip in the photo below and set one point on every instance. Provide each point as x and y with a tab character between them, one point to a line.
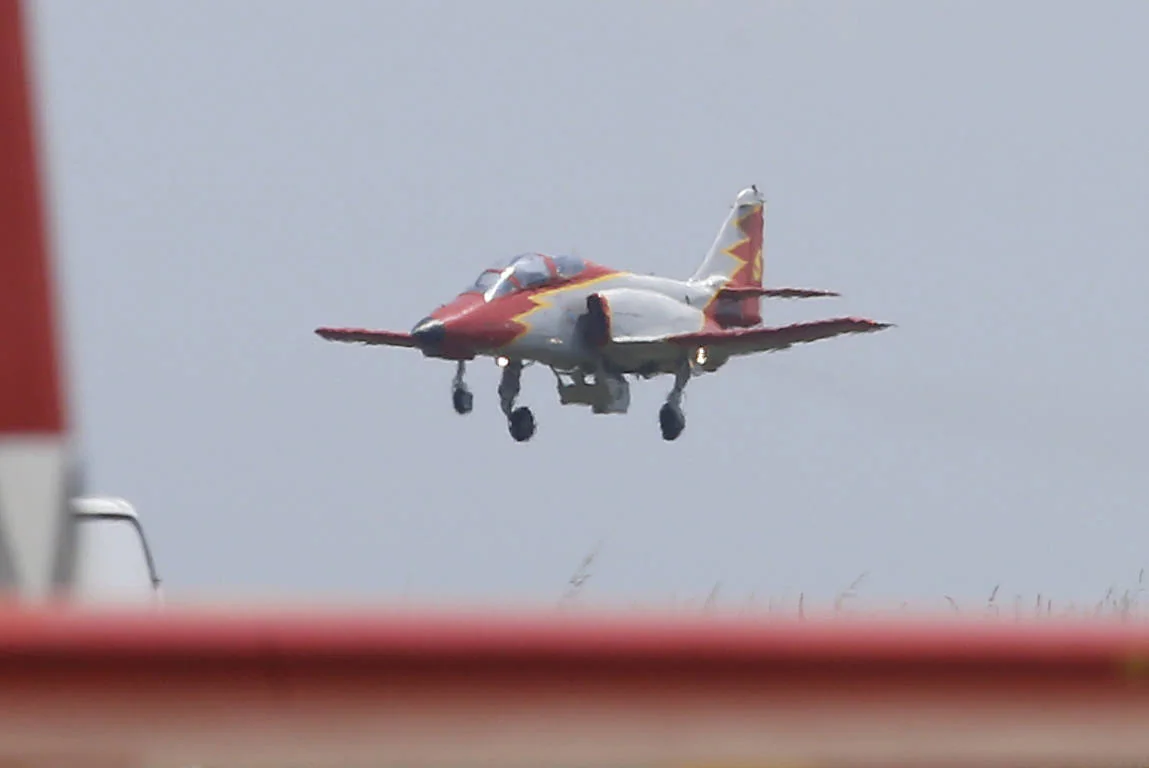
861	323
874	325
801	293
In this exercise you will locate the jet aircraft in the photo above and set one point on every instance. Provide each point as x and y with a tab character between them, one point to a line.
593	325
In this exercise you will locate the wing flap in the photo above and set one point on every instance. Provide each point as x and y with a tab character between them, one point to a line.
367	336
747	340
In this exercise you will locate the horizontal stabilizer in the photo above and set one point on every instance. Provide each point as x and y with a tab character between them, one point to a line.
366	336
750	292
748	340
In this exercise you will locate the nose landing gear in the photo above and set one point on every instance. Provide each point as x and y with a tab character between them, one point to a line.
461	397
520	420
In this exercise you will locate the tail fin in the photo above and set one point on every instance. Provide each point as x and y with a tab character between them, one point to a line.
735	261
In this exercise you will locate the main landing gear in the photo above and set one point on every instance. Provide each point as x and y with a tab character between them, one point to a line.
520	421
670	417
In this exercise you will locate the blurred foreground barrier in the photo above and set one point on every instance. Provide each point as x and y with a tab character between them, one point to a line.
499	687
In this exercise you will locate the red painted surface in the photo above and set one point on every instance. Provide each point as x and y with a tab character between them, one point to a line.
472	323
30	392
725	309
863	649
595	689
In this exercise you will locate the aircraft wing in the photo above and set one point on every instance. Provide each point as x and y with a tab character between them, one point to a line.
367	336
744	341
745	292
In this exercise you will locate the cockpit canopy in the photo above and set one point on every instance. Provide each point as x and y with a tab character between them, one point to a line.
527	270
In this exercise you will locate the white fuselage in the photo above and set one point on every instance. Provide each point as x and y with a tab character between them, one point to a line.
641	306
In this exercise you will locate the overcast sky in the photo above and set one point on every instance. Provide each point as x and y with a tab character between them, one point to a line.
226	176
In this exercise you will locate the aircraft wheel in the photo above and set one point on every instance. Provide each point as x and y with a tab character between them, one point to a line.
463	400
522	424
672	421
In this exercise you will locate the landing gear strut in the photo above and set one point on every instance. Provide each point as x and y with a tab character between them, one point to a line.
670	417
461	397
520	421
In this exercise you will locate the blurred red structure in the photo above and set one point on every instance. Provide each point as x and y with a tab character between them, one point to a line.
603	689
30	397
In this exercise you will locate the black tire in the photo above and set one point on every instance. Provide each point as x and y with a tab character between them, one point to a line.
463	400
672	421
522	424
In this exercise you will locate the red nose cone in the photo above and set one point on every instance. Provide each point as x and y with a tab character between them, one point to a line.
464	327
433	333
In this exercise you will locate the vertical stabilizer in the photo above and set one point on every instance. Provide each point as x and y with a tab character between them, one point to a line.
735	260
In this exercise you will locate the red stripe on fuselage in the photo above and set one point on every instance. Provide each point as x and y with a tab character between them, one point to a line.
474	325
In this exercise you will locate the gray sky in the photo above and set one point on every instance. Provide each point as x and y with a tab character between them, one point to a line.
228	176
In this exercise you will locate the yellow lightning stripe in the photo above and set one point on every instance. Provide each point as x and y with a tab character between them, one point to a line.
541	300
743	262
757	256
